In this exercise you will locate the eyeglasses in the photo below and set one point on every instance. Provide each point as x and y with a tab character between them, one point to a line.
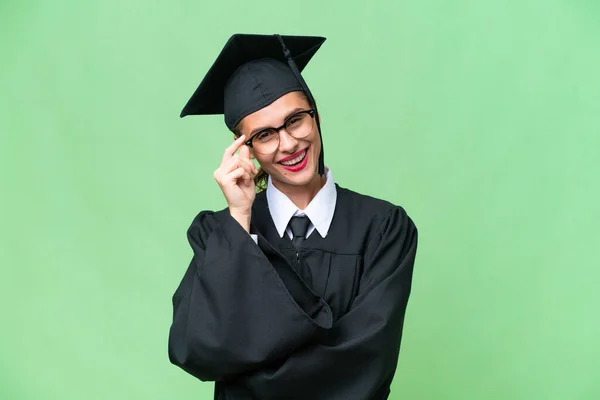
298	125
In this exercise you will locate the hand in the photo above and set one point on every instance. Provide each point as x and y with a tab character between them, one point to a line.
235	177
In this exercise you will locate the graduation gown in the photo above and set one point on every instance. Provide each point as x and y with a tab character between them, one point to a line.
266	323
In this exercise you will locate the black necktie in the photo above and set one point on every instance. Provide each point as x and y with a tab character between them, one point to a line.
299	226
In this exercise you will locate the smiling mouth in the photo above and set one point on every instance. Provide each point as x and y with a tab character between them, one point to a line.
296	160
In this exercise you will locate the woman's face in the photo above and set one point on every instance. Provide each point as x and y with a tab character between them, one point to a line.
306	149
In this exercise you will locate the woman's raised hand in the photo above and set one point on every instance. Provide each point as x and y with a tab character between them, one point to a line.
235	177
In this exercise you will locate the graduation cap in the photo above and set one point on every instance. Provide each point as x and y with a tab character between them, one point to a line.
251	72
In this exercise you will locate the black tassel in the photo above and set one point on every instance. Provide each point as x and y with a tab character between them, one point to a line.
311	100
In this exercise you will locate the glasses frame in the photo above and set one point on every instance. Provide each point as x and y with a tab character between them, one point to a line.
310	112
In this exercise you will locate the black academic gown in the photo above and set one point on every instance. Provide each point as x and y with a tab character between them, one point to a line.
264	325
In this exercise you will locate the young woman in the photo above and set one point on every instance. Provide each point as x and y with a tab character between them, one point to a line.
298	291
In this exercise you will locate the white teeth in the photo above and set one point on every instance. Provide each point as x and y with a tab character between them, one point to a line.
295	160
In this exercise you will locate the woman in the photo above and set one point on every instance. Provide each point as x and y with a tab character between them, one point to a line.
299	291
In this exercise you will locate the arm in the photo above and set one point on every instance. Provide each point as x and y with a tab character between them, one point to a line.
236	310
356	359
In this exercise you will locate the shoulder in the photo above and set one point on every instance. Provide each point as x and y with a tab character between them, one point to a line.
370	223
206	221
375	218
369	208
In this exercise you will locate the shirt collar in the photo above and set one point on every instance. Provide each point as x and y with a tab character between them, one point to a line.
319	210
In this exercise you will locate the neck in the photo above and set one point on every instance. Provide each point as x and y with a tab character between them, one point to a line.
301	196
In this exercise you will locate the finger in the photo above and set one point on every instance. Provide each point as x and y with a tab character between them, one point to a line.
237	162
250	154
247	175
236	174
245	152
239	176
248	165
230	164
246	182
245	155
233	147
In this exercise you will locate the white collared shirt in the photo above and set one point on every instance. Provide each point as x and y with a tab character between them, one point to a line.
319	210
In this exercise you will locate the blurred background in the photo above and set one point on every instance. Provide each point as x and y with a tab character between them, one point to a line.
481	118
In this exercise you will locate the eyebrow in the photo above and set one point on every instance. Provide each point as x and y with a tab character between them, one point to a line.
294	111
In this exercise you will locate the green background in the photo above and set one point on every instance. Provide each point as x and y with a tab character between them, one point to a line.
481	118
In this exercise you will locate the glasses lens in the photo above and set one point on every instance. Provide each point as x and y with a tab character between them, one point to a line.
266	142
299	125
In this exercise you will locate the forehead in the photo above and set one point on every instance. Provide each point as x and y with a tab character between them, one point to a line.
275	113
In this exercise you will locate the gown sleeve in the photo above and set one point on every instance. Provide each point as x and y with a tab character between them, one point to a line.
235	309
357	358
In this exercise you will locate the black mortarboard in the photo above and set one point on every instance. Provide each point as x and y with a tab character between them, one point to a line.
251	72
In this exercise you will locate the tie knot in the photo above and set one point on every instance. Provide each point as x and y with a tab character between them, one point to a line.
299	226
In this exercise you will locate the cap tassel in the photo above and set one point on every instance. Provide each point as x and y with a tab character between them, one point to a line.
311	100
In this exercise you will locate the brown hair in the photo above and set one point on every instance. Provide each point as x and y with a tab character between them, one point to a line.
260	180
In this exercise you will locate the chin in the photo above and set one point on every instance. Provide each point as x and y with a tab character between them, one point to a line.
302	178
295	179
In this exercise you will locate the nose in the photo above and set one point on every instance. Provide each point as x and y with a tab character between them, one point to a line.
287	143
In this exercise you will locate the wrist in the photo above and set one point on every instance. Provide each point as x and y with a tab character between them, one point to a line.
242	217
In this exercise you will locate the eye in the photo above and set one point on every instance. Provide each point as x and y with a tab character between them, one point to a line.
294	121
265	135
